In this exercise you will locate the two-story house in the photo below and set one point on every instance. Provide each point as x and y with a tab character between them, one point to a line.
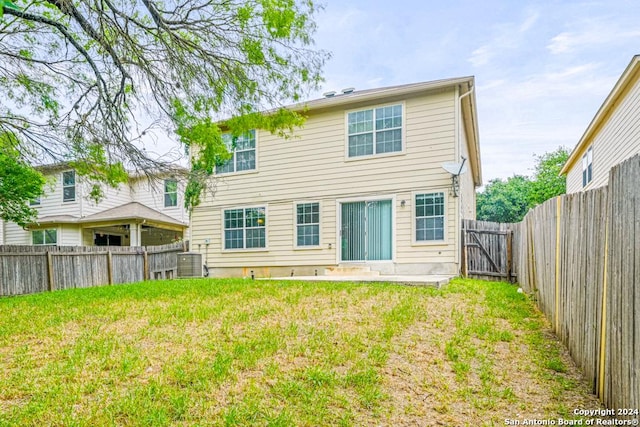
140	213
361	184
612	136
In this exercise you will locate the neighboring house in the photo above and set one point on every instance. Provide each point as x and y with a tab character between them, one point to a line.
612	136
361	184
139	213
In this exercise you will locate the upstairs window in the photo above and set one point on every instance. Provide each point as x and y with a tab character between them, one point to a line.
243	152
68	186
587	167
375	131
429	217
170	193
44	237
35	202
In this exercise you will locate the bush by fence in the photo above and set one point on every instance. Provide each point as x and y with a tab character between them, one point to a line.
579	254
33	269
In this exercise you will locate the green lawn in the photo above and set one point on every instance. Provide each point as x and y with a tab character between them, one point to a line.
234	352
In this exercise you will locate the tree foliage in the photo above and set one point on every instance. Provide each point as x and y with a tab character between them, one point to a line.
504	201
509	200
83	81
547	182
19	184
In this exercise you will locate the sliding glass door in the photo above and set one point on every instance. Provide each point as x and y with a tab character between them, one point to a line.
366	231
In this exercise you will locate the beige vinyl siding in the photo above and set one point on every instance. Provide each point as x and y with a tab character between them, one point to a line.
113	197
617	139
151	194
467	187
314	166
51	201
574	177
15	235
87	237
69	235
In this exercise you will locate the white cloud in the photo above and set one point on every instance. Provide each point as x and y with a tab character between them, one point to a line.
507	37
594	34
481	56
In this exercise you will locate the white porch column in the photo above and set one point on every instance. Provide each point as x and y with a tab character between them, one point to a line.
135	239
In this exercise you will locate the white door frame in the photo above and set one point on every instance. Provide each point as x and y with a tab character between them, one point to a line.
371	198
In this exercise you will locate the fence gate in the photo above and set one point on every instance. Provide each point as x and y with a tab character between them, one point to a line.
486	250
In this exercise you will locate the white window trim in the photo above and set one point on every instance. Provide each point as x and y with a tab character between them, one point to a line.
265	206
75	186
586	162
164	194
394	231
375	156
295	225
412	206
248	171
58	235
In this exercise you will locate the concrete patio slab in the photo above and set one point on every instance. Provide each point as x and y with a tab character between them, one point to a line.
423	280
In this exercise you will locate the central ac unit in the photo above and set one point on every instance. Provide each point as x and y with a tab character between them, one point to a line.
189	264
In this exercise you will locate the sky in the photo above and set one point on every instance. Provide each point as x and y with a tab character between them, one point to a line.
542	68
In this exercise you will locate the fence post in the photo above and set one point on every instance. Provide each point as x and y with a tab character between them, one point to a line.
465	268
531	259
509	237
109	268
50	279
145	273
558	216
603	319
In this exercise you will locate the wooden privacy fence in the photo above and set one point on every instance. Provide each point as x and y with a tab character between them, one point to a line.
579	255
33	269
487	250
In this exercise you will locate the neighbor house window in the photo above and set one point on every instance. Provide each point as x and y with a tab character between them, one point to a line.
308	224
375	131
245	228
68	186
243	149
587	167
44	237
429	217
35	202
170	193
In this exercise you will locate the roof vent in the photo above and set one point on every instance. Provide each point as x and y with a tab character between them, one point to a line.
348	90
329	94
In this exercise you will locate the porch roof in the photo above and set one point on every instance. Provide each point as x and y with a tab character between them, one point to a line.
132	210
127	212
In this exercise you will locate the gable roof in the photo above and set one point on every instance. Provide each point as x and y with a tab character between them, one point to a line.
619	91
465	86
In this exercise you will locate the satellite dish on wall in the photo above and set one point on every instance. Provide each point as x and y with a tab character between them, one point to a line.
455	169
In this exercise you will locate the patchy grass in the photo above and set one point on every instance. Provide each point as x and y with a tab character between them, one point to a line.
234	352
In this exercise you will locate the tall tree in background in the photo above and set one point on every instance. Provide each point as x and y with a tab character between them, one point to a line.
547	182
19	184
504	201
82	81
509	200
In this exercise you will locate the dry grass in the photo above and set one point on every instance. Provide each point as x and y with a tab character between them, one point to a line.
264	353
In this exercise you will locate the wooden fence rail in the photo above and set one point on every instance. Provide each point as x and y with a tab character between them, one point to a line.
579	255
33	269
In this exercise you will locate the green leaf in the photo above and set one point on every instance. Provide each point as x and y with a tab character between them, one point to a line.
7	4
